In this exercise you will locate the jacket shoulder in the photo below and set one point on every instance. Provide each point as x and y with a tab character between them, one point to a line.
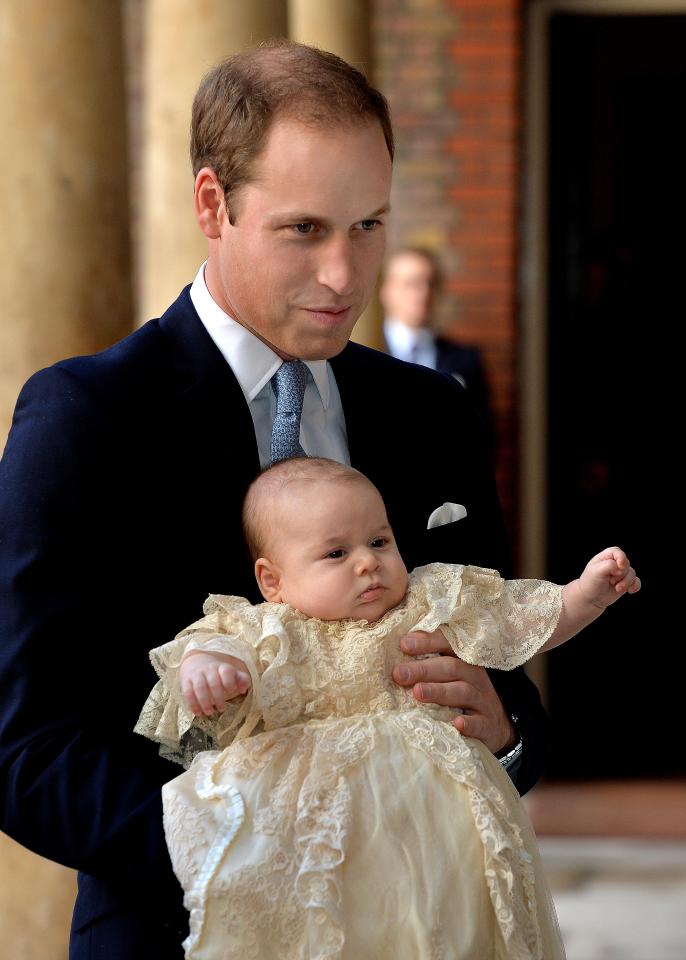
123	370
358	360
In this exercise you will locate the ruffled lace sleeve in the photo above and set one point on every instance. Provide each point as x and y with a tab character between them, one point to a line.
485	619
232	626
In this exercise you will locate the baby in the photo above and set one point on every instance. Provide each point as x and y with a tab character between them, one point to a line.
300	827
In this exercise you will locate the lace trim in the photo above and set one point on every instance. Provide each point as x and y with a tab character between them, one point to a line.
195	899
508	866
313	808
316	807
485	619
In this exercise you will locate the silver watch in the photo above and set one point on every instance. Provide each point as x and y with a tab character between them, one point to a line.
515	752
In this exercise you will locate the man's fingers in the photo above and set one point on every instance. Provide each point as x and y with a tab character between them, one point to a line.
458	694
438	669
469	725
420	642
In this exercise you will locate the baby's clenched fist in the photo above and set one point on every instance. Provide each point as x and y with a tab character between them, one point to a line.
209	679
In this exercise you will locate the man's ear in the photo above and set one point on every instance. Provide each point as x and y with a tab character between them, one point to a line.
210	209
268	580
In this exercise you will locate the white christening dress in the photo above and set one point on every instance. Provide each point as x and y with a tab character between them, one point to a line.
327	813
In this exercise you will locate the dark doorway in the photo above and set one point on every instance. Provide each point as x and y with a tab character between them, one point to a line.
617	305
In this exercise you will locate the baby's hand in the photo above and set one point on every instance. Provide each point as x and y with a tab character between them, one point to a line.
607	576
208	680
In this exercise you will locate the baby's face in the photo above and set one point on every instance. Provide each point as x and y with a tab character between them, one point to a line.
334	554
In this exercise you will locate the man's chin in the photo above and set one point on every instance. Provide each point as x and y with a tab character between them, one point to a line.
320	348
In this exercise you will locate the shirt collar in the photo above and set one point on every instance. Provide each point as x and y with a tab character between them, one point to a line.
401	338
252	361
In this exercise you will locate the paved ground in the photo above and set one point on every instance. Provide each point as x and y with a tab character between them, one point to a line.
619	899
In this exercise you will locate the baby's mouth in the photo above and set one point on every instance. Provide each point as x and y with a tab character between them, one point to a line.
373	592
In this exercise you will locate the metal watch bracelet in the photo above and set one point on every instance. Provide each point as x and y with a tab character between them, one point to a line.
515	752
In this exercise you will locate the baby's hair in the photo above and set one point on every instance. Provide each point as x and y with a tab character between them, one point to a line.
260	507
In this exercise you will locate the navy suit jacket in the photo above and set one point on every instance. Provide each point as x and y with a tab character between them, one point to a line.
120	499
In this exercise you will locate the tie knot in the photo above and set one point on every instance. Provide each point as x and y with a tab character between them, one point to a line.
288	384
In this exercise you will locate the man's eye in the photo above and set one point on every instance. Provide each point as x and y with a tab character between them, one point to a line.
378	542
335	554
369	225
303	228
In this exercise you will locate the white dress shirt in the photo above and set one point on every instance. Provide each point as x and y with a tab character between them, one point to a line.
407	343
322	424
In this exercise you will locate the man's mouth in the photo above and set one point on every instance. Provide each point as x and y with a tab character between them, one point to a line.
330	316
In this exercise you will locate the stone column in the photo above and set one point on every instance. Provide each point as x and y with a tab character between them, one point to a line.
64	285
344	28
341	26
183	39
36	903
64	252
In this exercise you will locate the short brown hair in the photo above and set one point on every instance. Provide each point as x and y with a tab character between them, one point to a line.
427	254
260	507
240	97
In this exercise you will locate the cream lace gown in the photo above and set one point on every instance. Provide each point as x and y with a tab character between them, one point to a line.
327	814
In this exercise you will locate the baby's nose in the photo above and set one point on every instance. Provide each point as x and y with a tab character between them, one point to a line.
367	560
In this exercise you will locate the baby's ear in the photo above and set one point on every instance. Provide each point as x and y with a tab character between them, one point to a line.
268	580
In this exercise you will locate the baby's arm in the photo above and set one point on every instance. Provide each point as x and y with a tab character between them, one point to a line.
209	679
606	577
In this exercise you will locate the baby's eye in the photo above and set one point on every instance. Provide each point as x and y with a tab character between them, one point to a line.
378	542
335	554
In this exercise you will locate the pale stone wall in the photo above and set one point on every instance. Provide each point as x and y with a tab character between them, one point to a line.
64	248
36	901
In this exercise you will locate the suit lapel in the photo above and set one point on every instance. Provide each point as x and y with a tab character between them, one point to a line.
375	437
211	401
349	368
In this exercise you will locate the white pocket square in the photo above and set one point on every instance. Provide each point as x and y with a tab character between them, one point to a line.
448	513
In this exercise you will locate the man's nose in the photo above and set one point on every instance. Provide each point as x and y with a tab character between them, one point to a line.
337	267
367	561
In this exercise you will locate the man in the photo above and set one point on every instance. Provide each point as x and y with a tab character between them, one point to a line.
411	285
124	475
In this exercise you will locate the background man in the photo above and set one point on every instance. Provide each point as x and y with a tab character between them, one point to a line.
124	475
410	291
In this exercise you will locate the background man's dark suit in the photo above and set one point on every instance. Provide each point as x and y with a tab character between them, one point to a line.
120	496
464	363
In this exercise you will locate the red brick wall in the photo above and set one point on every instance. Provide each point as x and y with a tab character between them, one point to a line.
451	70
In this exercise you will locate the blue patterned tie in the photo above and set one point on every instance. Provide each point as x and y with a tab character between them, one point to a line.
288	384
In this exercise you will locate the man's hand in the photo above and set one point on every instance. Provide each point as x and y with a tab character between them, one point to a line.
208	680
449	681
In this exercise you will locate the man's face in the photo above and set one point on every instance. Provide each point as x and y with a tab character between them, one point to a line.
409	289
299	264
335	553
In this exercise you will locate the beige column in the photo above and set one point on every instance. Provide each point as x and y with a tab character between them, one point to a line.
344	28
182	40
64	249
341	26
36	903
64	285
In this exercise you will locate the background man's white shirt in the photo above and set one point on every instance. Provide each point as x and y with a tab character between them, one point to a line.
405	343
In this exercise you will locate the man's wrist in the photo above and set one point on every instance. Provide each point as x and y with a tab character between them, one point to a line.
509	756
